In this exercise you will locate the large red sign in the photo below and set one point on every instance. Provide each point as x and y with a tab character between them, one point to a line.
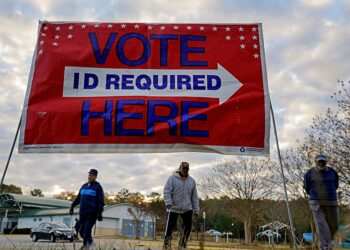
137	87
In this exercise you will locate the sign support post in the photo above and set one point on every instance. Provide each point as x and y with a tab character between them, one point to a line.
284	180
10	155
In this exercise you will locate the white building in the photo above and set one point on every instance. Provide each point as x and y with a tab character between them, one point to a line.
13	205
118	220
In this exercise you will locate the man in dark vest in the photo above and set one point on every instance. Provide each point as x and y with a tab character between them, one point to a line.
91	200
321	183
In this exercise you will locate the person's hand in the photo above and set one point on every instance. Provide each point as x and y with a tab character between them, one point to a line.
195	215
168	206
71	211
99	217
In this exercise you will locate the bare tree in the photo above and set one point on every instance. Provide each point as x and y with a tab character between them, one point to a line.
330	134
247	183
138	214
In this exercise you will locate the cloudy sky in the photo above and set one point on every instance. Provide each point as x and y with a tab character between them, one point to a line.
306	46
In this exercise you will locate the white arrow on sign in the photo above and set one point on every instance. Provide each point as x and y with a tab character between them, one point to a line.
92	82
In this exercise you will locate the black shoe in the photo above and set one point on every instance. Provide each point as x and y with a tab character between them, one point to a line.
167	245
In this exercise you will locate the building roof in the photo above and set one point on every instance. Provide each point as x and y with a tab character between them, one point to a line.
26	201
44	212
65	211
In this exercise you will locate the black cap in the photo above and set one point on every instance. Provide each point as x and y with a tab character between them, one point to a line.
93	171
184	164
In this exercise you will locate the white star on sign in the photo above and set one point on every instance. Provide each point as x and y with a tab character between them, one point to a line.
40	51
201	28
109	26
45	28
136	26
255	46
176	27
254	37
188	27
254	29
42	42
58	28
162	27
97	25
123	26
256	55
149	27
215	28
43	34
55	44
228	37
227	28
240	29
70	36
71	27
83	26
57	37
242	46
241	38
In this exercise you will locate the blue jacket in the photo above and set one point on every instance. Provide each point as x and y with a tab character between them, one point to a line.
321	185
90	198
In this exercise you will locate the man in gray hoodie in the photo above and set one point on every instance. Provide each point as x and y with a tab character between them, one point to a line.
180	197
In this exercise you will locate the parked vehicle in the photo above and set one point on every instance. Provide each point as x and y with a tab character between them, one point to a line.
52	231
213	232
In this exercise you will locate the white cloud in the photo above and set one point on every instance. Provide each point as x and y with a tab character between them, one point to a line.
316	3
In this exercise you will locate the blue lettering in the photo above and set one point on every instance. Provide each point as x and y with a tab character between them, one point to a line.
146	49
183	80
156	83
185	50
211	85
76	81
164	46
87	83
121	115
153	118
186	117
172	81
112	80
198	80
86	115
127	81
146	83
101	59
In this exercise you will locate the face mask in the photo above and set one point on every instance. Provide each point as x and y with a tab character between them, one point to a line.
321	165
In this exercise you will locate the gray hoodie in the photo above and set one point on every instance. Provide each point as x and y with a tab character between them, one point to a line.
181	194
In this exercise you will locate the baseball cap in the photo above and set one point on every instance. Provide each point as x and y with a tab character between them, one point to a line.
321	157
184	164
93	171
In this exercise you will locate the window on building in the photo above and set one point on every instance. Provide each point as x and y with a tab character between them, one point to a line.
34	219
67	221
40	219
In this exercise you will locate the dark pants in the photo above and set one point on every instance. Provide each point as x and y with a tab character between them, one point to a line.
185	231
326	222
87	222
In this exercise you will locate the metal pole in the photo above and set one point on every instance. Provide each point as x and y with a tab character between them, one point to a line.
284	180
9	158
